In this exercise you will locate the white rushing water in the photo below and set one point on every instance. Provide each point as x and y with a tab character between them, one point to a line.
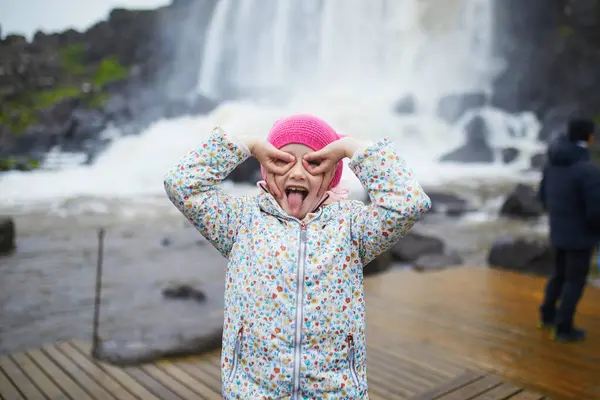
346	61
386	46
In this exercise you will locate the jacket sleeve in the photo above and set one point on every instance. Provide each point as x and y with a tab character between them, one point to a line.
591	195
397	200
192	186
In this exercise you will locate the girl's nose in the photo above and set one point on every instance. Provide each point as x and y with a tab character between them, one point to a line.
297	171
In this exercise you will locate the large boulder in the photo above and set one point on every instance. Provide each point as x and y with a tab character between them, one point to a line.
537	161
509	154
414	245
246	172
183	291
405	105
435	262
7	235
476	148
448	203
452	106
531	255
136	351
522	202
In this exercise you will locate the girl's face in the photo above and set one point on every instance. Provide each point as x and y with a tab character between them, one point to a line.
300	189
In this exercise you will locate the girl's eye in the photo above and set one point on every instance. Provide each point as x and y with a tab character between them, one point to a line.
314	163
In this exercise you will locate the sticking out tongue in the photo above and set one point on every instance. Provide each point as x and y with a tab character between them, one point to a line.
294	200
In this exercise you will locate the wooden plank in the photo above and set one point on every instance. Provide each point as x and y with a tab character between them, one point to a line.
450	386
211	373
210	369
209	380
386	386
20	380
188	380
418	372
438	362
500	392
527	396
376	396
78	351
78	375
172	384
158	389
61	379
35	374
7	390
381	375
473	389
98	374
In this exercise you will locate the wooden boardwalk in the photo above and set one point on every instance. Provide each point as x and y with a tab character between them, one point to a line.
460	334
65	371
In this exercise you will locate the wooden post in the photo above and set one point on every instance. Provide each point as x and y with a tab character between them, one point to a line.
96	337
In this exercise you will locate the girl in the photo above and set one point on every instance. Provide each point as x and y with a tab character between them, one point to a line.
294	309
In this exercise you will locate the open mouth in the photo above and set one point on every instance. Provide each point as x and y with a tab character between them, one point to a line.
293	192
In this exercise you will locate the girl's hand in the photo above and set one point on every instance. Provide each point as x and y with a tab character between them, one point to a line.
326	159
274	162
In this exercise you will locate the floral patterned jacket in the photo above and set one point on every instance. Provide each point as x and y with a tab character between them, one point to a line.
294	308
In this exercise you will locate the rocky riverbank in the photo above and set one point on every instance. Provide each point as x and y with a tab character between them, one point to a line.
163	284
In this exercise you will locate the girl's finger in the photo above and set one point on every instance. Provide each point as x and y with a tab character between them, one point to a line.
281	155
320	169
325	183
322	189
270	178
309	167
315	155
278	169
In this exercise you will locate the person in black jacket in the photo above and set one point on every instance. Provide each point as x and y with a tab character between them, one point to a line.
570	193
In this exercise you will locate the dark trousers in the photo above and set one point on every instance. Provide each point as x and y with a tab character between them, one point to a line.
565	285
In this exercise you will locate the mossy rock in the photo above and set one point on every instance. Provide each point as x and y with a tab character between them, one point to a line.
77	80
24	164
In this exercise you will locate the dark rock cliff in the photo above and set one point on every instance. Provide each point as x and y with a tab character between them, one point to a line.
552	53
64	89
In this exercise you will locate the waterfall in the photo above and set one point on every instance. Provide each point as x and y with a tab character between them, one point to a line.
348	61
426	47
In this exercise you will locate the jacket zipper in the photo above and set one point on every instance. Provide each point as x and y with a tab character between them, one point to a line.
237	349
299	310
299	305
352	359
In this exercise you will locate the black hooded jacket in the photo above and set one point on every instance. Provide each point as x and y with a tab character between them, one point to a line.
570	193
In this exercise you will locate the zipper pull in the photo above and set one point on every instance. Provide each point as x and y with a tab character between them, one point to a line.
350	341
238	342
303	232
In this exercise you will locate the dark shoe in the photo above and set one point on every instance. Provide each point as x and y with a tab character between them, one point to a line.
545	325
573	335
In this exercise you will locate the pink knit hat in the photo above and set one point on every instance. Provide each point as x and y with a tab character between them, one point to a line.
307	130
